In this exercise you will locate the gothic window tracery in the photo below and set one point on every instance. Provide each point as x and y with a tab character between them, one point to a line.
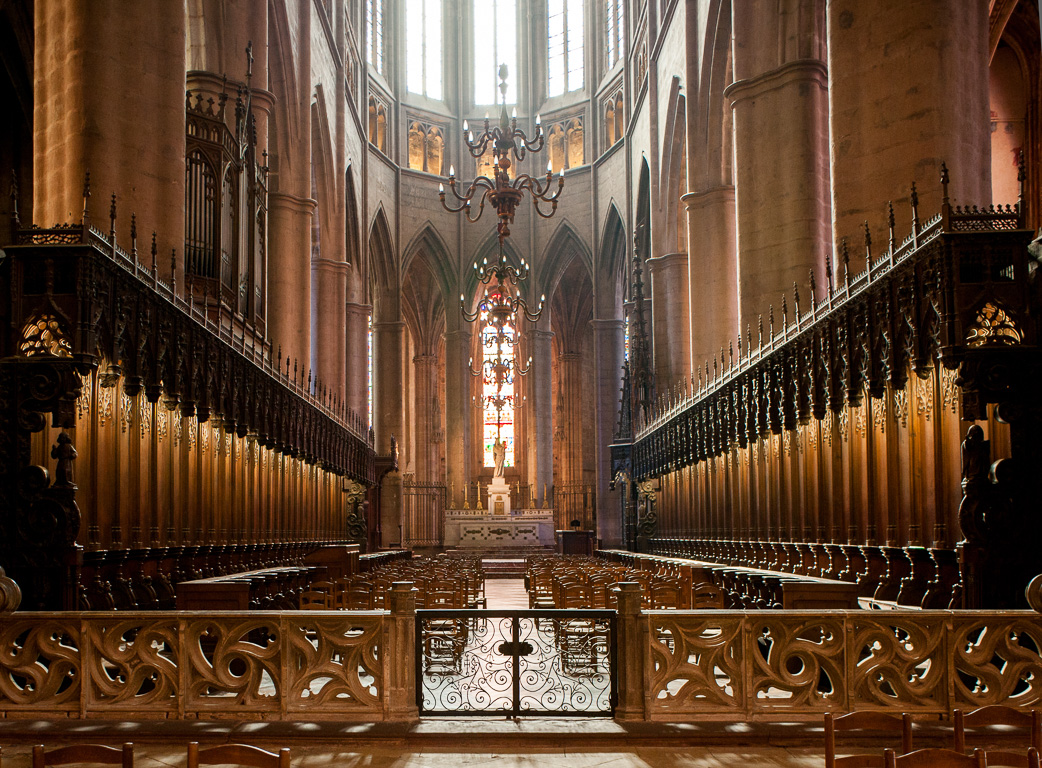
426	147
566	146
374	34
378	123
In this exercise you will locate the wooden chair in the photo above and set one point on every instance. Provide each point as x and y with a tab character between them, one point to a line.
935	758
84	753
1004	759
707	595
313	600
864	721
997	715
236	754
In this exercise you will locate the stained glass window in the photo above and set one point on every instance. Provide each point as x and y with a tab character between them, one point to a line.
423	47
498	416
495	43
564	46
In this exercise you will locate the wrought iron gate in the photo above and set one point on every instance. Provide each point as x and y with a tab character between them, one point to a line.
538	662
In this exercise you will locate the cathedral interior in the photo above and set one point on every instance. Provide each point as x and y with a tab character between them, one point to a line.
740	364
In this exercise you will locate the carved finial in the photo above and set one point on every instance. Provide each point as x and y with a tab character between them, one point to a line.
813	290
739	347
828	272
944	183
14	200
173	265
700	377
759	338
770	317
112	218
86	197
730	352
846	263
784	313
796	296
868	244
749	338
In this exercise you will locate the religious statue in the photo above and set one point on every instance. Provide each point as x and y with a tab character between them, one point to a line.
499	455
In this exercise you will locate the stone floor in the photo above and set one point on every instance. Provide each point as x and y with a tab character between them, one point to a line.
448	744
506	594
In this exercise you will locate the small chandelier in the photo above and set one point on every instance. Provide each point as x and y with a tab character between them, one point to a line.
500	191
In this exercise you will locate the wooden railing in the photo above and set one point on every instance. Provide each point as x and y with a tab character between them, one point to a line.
257	665
676	666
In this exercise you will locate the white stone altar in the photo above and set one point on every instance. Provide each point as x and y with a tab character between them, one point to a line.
487	530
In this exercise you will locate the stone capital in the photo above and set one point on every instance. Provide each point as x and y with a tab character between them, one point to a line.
697	201
608	325
666	261
291	203
798	71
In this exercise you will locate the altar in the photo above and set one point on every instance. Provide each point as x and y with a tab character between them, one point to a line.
480	529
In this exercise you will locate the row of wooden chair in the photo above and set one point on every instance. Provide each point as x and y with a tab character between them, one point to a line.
440	583
587	582
984	717
101	754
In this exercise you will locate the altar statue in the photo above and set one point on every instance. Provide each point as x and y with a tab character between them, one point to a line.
499	455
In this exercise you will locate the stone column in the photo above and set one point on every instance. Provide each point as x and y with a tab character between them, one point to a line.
712	276
670	319
120	117
289	275
570	398
357	357
329	336
540	408
608	348
388	415
290	207
425	407
458	417
781	184
895	118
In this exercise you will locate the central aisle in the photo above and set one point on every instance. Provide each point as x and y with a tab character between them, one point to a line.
505	594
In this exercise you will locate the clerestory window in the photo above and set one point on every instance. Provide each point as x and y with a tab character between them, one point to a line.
423	48
495	44
564	46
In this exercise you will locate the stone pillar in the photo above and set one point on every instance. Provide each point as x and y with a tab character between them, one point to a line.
570	401
781	185
329	336
426	416
388	414
290	207
121	117
712	274
357	357
458	408
895	118
670	319
540	421
289	275
608	348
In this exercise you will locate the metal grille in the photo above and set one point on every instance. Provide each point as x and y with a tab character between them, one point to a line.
423	507
516	663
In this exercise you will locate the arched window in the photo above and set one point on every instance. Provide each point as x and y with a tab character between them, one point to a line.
576	154
423	47
426	148
374	34
497	390
614	17
495	43
564	21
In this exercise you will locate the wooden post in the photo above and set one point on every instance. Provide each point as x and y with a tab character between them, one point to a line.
400	664
631	657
